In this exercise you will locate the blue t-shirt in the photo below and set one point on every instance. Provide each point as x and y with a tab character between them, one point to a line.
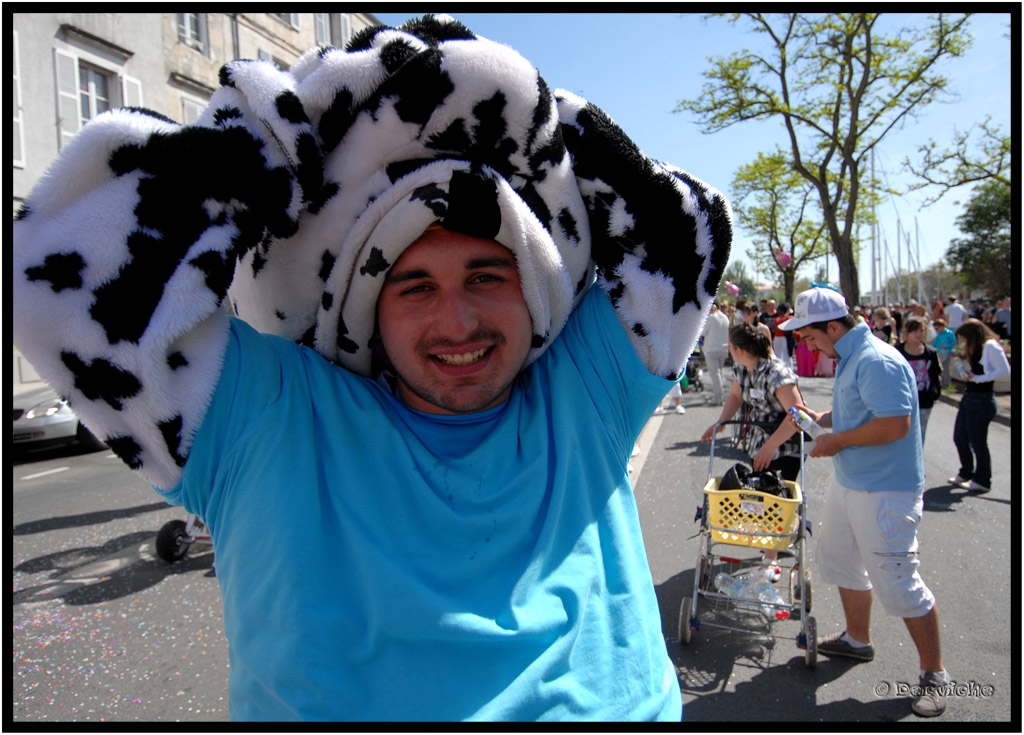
945	342
874	381
380	563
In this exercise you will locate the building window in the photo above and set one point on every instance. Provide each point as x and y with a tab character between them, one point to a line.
93	92
291	19
332	29
85	90
192	31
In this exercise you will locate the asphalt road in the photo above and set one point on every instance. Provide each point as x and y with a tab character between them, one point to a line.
104	631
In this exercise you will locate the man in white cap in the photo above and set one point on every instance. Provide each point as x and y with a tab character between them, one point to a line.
460	297
866	544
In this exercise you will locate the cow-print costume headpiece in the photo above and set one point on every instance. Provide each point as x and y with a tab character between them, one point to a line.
296	192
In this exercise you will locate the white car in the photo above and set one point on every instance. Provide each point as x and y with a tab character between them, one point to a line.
44	419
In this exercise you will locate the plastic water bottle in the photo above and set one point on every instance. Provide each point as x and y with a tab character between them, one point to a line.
963	372
750	587
768	594
730	586
724	583
806	423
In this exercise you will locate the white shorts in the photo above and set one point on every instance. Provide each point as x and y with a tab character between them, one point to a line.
868	540
676	391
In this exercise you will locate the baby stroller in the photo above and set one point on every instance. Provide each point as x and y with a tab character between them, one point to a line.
695	367
737	593
176	537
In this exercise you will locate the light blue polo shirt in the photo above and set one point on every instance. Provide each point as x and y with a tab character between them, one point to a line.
874	381
377	563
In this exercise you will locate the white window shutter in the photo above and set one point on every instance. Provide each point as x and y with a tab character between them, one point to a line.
191	111
18	143
346	31
65	66
322	28
131	91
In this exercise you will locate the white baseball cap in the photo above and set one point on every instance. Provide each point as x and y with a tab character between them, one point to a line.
816	305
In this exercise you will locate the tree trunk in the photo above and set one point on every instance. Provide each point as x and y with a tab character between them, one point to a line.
849	281
788	278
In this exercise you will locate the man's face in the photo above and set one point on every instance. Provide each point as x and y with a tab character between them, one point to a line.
819	341
453	321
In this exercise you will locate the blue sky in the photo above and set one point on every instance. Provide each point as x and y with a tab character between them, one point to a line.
635	66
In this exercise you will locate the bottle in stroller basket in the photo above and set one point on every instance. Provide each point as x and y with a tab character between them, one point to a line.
754	584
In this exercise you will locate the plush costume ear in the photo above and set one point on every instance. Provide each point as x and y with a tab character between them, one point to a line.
660	237
124	252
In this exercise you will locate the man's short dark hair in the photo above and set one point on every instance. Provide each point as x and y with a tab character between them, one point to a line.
848	322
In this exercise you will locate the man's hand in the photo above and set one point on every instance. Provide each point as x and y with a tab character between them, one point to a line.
823	419
874	432
826	445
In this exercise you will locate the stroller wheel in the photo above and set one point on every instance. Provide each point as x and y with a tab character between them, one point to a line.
171	542
685	634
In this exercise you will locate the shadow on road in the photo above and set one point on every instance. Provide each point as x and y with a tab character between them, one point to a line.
22	455
945	498
92	574
783	691
85	519
723	450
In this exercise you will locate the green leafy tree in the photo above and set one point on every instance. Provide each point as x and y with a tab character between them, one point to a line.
965	163
777	207
838	85
984	257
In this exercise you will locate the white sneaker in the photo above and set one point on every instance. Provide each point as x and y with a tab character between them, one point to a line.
680	409
957	480
974	487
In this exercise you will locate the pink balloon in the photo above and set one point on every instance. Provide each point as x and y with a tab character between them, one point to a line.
783	259
732	288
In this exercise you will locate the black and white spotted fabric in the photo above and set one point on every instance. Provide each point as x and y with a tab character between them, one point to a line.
294	194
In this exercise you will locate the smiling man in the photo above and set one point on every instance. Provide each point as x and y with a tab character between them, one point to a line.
453	323
459	297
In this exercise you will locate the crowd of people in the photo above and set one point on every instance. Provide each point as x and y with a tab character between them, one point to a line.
887	322
927	339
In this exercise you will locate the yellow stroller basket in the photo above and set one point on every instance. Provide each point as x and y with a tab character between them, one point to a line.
752	518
